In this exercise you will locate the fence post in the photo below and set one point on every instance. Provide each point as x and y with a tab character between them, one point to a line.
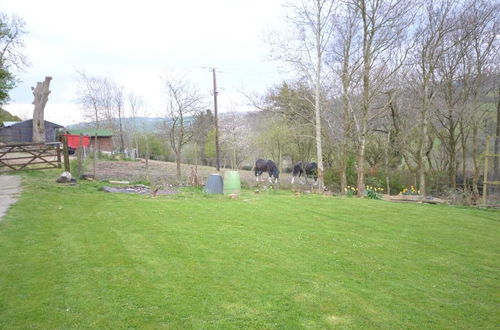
66	155
79	155
485	174
58	151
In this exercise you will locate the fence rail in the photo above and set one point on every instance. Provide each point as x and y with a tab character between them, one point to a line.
30	156
491	176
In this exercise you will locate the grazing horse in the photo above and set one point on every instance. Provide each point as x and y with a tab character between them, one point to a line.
306	169
262	165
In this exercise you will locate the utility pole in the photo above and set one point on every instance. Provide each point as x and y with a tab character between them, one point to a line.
217	159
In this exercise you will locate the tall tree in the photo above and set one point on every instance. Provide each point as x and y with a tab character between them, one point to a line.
346	62
305	49
92	96
384	24
136	106
184	101
482	77
118	105
435	25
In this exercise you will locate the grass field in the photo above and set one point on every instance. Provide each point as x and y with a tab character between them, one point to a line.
74	257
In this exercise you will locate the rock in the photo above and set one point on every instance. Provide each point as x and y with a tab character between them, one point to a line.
65	177
118	182
88	177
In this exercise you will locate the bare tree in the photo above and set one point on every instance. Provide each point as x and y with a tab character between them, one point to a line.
436	24
92	97
118	105
136	106
482	76
384	24
234	135
183	102
305	51
346	63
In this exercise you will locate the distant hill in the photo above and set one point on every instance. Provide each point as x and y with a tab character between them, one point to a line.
143	124
7	116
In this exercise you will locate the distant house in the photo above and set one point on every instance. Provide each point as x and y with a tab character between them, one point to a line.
22	131
104	138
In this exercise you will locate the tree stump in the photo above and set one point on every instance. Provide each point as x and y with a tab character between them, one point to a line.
41	93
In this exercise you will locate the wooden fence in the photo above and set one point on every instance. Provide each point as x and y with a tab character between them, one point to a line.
491	177
29	156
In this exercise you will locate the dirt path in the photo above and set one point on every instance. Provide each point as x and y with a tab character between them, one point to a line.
10	188
158	170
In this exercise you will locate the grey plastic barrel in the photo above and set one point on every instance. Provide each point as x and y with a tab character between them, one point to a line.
232	183
214	184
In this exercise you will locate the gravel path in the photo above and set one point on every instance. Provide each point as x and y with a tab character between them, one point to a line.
10	188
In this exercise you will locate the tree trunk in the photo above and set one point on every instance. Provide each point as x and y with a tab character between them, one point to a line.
463	139
178	164
452	165
345	117
317	107
343	178
147	158
361	165
367	53
496	148
475	176
122	144
386	163
423	143
41	93
96	146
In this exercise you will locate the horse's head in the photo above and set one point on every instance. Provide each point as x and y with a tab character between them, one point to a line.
275	173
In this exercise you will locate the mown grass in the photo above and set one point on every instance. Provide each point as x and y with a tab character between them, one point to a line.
74	257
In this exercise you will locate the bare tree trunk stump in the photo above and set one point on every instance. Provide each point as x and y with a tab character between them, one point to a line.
41	93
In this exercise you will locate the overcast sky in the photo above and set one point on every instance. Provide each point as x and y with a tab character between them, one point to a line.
135	42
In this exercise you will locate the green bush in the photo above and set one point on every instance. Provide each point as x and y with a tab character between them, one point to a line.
332	175
437	183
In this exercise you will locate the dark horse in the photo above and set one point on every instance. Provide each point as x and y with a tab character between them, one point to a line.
262	165
306	169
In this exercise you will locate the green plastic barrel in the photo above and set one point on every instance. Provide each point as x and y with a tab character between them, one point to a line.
232	184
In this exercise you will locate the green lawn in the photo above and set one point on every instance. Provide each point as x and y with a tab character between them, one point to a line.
75	257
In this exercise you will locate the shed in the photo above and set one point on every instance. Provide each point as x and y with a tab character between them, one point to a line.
22	131
74	141
104	138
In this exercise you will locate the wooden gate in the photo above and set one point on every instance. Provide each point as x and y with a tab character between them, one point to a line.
29	156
